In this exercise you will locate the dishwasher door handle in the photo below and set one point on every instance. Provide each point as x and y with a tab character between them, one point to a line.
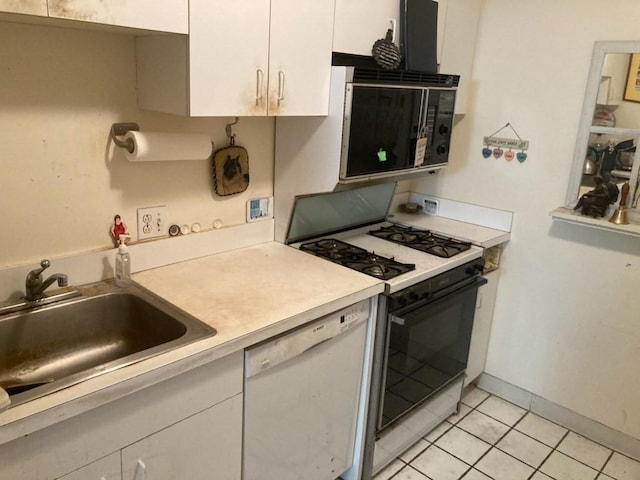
317	345
267	355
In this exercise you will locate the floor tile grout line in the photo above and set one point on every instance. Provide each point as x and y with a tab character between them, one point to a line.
553	449
606	463
568	430
491	445
495	444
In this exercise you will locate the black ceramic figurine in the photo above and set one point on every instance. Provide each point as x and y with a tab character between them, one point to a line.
595	202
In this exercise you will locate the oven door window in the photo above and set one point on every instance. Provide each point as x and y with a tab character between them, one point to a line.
383	129
428	348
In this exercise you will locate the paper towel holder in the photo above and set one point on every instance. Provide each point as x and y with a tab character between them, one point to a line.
120	129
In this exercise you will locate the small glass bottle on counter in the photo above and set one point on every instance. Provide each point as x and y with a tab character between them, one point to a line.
123	264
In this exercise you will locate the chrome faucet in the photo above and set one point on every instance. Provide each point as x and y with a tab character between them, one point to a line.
35	286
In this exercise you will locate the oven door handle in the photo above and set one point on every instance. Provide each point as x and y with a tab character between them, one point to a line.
397	320
477	282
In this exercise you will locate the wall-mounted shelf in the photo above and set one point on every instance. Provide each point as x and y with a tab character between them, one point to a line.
566	214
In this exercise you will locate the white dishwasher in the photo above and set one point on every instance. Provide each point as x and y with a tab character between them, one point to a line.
302	391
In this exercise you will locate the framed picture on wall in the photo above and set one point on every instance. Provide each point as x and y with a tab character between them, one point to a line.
632	88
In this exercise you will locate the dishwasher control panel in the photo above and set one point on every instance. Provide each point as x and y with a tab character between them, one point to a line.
353	314
287	346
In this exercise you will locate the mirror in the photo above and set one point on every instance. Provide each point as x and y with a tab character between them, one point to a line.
609	130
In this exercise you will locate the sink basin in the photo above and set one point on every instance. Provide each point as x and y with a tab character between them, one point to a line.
45	349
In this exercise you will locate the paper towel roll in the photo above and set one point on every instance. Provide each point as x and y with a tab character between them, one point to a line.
159	146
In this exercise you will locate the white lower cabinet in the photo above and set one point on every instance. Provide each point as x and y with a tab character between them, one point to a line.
482	327
185	427
202	447
107	468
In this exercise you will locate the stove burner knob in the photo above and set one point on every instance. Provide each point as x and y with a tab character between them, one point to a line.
414	296
475	269
402	300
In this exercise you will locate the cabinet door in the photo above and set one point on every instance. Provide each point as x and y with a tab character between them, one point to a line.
31	7
107	468
458	44
165	16
205	446
300	57
228	57
482	327
359	23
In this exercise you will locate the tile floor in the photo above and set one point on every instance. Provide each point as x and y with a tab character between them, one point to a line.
492	439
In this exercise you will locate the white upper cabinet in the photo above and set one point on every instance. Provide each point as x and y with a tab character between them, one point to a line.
242	58
30	7
458	44
158	15
300	57
359	23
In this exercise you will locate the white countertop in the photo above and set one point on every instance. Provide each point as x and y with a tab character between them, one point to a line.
247	295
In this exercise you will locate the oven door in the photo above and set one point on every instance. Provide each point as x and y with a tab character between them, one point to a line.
427	348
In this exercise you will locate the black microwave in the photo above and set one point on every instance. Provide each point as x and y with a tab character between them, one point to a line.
396	123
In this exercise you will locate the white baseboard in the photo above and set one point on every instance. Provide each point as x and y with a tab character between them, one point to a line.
580	424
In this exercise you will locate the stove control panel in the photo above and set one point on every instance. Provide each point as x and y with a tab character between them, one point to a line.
433	287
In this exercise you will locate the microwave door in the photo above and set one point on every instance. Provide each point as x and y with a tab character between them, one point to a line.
381	129
419	150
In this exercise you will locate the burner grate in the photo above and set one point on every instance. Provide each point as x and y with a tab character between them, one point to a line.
357	258
423	240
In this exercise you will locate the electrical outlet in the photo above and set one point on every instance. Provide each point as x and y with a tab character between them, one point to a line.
430	206
151	222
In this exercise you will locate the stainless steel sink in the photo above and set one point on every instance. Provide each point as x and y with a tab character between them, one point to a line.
51	347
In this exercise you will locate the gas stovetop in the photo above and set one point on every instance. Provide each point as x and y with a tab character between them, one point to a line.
357	258
422	240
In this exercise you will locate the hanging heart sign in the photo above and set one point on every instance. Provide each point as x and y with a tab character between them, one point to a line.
509	155
521	156
486	152
497	152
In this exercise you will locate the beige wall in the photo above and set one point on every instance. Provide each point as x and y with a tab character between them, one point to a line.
62	180
567	320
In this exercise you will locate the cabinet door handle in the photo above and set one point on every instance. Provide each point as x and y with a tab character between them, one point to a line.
259	82
280	86
142	468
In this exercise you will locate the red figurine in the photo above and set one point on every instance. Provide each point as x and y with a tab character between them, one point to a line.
118	228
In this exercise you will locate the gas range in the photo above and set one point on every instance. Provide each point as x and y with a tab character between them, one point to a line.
399	265
402	256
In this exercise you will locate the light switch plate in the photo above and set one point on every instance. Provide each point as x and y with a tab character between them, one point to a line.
259	208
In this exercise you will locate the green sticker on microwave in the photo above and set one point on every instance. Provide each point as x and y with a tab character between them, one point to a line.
382	155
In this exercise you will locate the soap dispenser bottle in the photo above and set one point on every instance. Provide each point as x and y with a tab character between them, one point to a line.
123	264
